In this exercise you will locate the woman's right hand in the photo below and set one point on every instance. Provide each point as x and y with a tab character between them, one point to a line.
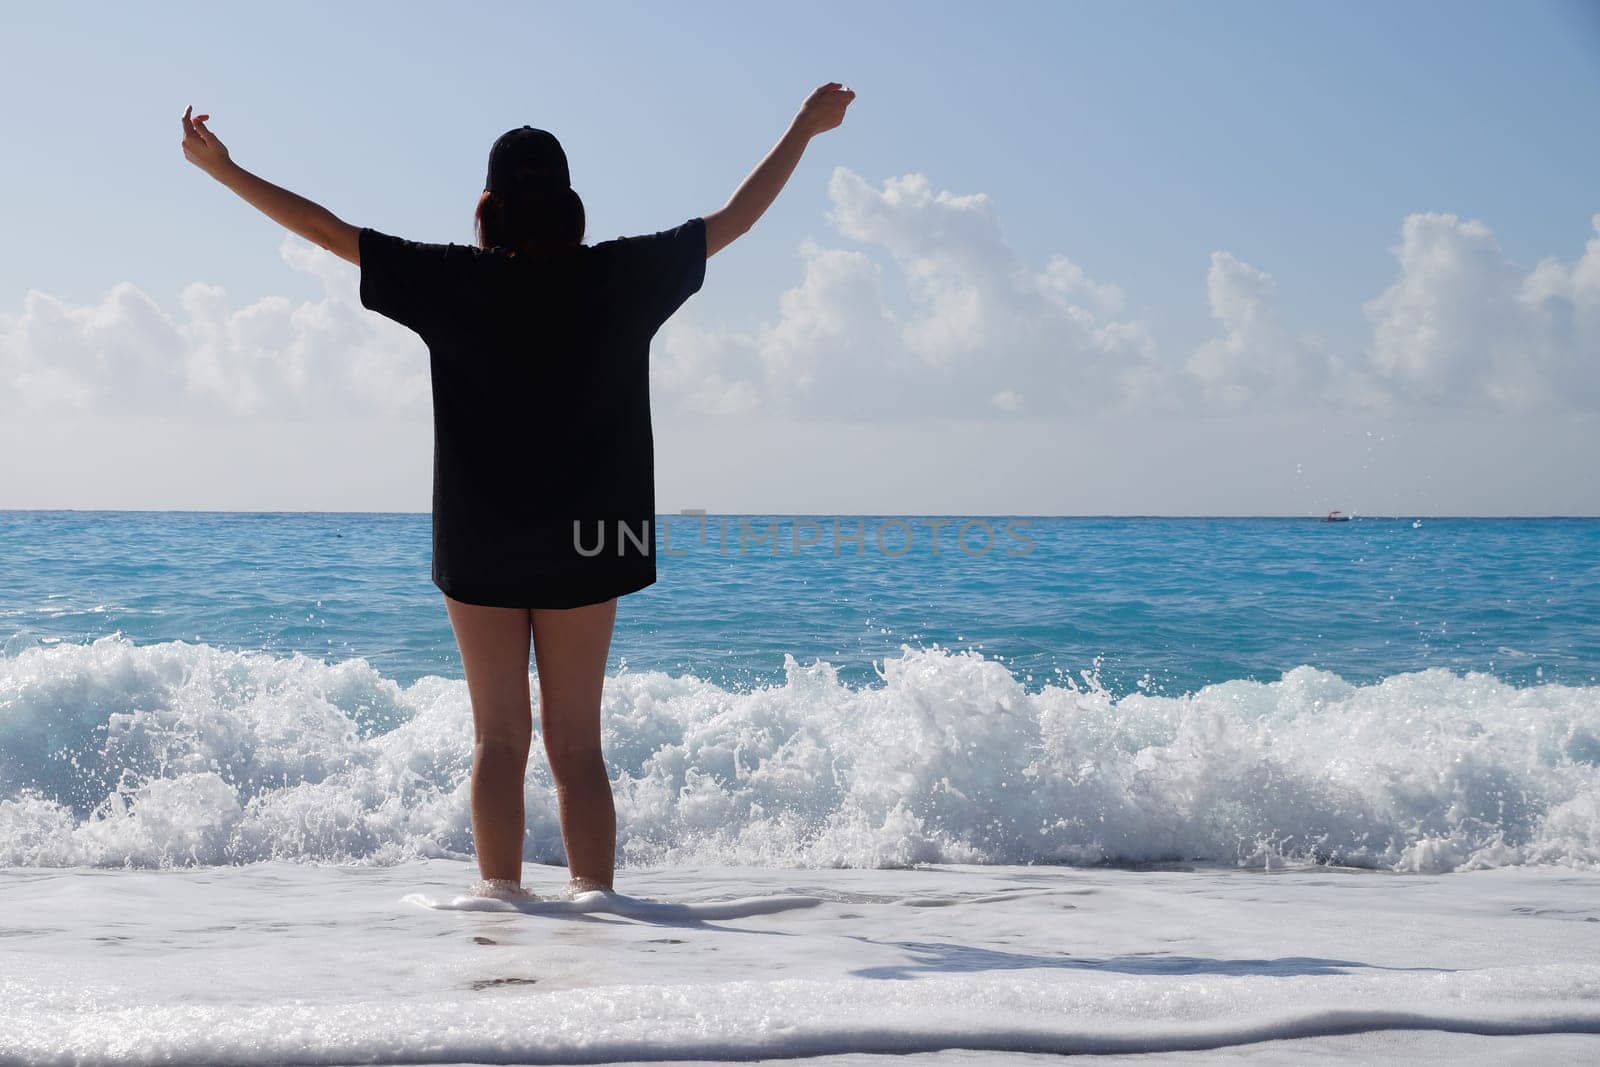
824	108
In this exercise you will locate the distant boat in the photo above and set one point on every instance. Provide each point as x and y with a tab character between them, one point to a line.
1336	516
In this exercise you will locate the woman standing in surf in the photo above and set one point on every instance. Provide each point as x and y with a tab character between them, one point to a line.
543	477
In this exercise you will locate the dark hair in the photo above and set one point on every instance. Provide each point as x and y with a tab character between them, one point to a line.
535	220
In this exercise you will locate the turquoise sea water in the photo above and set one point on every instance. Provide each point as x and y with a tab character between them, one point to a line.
204	689
1174	604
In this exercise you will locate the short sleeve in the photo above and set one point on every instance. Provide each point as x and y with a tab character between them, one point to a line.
665	268
407	281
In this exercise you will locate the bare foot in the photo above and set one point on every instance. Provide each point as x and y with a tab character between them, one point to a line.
583	885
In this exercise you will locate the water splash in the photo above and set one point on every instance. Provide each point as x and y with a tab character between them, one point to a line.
167	754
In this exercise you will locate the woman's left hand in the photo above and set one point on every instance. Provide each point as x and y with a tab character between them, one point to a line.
200	145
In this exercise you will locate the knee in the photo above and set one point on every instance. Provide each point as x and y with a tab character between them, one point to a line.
504	742
574	760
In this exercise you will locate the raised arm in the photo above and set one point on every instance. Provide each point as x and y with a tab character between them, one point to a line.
822	111
312	221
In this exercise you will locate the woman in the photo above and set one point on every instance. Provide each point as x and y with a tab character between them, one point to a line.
543	481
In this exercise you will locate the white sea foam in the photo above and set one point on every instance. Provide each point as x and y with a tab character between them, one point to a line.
596	901
180	754
277	963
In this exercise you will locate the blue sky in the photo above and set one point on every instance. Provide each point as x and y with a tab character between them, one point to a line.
1135	139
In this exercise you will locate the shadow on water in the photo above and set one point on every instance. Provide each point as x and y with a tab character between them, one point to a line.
931	957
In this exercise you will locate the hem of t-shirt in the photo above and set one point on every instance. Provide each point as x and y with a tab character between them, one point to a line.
363	285
699	223
362	253
547	595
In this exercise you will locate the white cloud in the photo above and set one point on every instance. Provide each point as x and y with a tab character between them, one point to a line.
121	352
1066	283
1462	324
1257	358
979	322
834	339
979	313
271	358
983	382
1007	400
932	314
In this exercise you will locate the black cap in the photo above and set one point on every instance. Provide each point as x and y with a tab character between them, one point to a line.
526	158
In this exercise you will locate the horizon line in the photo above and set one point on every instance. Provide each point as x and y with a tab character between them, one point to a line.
697	513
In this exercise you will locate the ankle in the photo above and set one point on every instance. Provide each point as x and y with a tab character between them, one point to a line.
500	889
580	884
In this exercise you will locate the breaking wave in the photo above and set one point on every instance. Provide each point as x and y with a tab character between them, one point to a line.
179	754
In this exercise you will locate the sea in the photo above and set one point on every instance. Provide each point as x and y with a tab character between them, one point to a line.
1001	784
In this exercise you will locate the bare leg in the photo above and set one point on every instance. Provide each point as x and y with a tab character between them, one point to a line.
570	648
494	652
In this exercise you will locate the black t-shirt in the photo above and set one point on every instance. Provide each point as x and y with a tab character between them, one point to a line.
543	460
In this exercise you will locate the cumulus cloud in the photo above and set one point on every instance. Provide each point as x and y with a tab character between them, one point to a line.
272	358
1463	324
928	311
978	323
983	331
1256	357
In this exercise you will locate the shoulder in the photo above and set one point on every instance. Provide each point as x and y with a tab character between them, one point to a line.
684	234
387	246
401	278
378	248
